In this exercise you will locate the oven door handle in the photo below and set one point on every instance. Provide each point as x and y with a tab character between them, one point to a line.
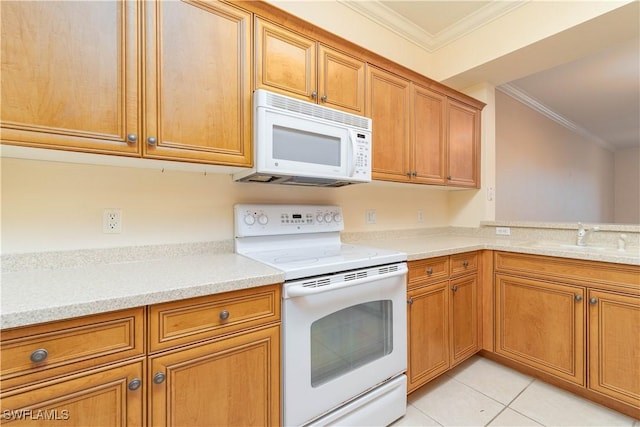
301	290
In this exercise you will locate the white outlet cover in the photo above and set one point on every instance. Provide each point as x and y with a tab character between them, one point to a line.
112	221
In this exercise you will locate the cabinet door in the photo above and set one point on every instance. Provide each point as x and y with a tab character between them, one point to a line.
614	345
231	382
429	152
463	134
96	398
198	85
388	105
340	81
285	61
427	334
541	324
65	84
464	318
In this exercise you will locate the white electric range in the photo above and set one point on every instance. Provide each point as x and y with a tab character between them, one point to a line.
344	315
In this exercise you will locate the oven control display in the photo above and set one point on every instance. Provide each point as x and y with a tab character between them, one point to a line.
296	218
255	220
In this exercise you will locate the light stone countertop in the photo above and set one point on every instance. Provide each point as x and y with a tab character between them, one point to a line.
36	295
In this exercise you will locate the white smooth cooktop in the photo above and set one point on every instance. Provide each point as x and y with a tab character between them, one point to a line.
302	240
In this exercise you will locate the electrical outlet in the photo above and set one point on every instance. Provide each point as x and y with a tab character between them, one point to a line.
112	221
420	216
503	231
370	216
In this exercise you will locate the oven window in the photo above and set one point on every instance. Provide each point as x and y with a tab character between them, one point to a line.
300	146
347	339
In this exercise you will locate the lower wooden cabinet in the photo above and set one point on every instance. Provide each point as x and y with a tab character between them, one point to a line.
541	324
614	345
231	382
106	397
442	316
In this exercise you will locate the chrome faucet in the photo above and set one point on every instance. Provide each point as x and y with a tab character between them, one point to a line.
582	234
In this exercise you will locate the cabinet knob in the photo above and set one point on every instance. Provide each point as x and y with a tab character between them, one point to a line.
408	173
454	288
132	137
429	271
224	314
577	297
135	384
39	355
414	173
465	263
324	98
314	94
410	301
449	178
159	378
593	301
152	141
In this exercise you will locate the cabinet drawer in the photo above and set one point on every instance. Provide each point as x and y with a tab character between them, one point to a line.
184	322
34	353
428	271
463	263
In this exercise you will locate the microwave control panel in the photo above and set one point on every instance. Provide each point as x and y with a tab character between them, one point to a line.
363	155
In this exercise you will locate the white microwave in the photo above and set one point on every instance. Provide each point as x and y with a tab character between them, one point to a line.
301	143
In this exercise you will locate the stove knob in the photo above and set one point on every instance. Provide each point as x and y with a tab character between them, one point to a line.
337	217
249	219
263	219
319	218
328	217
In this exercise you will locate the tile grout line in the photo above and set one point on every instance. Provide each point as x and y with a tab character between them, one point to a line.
515	398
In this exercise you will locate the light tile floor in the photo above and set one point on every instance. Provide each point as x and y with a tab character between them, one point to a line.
480	392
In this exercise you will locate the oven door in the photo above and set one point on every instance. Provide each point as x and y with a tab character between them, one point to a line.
342	336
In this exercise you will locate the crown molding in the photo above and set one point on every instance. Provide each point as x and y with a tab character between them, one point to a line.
382	15
520	95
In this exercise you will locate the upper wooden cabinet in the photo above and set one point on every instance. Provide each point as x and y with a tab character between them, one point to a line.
388	106
300	67
198	82
83	89
429	154
463	144
64	83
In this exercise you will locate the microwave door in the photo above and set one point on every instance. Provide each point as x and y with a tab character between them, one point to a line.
304	147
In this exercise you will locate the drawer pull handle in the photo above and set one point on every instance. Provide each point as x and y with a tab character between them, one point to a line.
224	314
454	288
429	271
159	378
39	355
465	263
593	301
578	297
135	384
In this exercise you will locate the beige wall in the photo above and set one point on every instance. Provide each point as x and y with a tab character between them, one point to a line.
627	186
58	206
545	172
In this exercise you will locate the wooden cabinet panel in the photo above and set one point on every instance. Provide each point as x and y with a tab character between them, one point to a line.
388	105
285	61
464	318
235	381
66	85
70	345
463	135
428	271
463	264
198	82
188	321
614	345
541	324
341	80
96	398
427	333
428	136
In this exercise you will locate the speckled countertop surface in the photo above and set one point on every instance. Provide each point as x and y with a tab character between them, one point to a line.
41	288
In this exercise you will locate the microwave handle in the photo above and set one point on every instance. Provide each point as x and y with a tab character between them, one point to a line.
354	152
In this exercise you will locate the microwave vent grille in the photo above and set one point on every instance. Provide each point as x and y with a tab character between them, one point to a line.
317	111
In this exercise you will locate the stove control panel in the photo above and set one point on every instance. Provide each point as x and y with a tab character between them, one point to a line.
268	220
